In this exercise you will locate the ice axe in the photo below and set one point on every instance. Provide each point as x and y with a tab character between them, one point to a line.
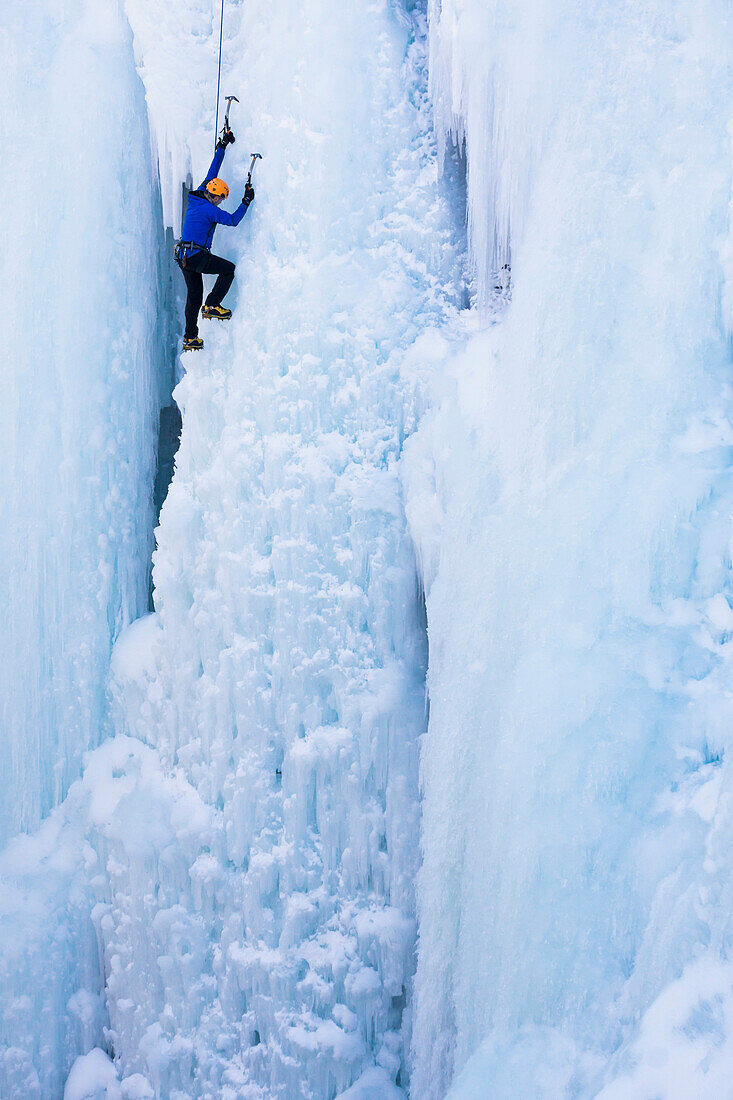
225	127
229	99
255	158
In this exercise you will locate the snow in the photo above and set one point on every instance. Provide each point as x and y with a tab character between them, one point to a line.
374	1084
93	1077
683	1046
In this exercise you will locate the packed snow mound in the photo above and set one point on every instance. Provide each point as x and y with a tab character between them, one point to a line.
570	496
78	404
374	1084
93	1077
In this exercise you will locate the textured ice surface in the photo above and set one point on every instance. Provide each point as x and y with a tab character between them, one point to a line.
223	902
81	347
283	671
570	495
245	861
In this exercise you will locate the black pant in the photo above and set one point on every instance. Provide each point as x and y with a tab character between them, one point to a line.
203	263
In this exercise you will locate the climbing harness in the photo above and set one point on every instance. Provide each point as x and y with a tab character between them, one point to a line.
218	79
185	249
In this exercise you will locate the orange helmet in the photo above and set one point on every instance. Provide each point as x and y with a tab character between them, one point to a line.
217	188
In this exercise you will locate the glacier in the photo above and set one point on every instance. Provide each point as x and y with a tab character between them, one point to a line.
413	779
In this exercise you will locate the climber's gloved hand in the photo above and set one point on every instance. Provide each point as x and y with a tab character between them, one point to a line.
249	194
227	138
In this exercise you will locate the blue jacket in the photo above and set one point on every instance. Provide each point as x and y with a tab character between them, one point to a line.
202	216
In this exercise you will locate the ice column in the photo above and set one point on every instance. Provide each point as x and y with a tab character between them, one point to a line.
81	348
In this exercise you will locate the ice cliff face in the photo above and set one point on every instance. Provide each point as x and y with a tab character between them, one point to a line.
230	909
82	353
224	900
81	356
283	676
572	898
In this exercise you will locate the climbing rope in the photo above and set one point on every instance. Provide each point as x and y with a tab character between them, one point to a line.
218	79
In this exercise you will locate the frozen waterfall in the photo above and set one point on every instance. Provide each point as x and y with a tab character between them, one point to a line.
231	908
81	358
572	901
416	780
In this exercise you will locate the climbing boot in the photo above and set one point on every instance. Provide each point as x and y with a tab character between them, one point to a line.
221	313
192	343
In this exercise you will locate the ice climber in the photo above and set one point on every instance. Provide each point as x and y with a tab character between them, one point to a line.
193	252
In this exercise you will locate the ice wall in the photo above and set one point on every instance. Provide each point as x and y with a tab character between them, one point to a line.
264	946
81	342
82	355
570	496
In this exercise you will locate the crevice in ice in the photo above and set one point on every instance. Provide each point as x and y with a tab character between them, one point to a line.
169	421
454	183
